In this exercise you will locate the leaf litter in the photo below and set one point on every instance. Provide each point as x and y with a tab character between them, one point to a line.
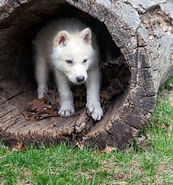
19	146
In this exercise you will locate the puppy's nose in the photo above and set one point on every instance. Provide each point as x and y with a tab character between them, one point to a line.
80	78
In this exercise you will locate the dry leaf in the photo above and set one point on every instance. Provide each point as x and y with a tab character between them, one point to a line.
41	109
26	115
23	149
109	149
18	146
51	112
38	105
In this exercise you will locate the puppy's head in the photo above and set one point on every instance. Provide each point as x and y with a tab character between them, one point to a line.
73	54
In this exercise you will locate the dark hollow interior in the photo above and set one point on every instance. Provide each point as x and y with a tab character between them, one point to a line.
24	23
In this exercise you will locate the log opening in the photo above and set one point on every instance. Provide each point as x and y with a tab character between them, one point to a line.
127	35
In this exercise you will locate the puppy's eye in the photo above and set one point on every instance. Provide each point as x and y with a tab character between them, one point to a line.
69	61
84	61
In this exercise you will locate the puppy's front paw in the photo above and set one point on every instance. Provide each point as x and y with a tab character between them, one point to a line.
66	110
95	110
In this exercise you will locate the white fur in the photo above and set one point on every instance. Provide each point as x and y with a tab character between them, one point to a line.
69	39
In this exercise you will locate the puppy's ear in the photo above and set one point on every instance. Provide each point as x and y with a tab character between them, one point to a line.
86	35
61	38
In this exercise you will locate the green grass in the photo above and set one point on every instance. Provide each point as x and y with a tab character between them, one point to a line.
150	161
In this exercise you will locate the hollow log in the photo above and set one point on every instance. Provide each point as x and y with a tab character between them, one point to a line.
140	30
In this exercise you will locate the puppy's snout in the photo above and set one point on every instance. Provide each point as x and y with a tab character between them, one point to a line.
80	78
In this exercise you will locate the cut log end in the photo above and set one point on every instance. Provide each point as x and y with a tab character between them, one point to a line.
135	37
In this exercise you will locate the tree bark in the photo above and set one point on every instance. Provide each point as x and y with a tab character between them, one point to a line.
142	30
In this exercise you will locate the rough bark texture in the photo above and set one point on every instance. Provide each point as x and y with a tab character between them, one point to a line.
142	30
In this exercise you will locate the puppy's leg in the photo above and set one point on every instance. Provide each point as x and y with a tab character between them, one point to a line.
93	94
41	75
66	97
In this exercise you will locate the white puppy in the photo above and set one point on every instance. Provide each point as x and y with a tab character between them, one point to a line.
69	48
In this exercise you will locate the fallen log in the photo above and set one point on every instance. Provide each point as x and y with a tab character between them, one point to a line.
138	32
